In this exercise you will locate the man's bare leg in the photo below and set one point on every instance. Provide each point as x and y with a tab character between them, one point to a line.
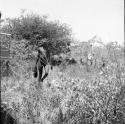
40	69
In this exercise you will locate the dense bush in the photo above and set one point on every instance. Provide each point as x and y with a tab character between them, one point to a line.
33	28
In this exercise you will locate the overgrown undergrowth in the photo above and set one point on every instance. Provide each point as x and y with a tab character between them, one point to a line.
64	100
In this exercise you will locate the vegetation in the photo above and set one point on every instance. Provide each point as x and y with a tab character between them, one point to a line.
73	93
33	28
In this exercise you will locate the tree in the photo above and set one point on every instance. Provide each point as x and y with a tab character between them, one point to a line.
33	28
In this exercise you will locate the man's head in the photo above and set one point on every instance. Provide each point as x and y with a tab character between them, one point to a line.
42	42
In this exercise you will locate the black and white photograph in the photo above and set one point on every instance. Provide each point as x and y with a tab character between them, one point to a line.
62	62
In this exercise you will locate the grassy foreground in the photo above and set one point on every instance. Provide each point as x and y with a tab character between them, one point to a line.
66	100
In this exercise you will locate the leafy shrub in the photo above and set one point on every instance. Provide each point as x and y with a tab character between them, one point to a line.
34	28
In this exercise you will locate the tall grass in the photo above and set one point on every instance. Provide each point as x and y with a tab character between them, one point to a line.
65	100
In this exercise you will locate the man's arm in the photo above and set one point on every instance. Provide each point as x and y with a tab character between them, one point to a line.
37	59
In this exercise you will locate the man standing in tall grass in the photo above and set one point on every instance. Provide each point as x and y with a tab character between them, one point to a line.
42	61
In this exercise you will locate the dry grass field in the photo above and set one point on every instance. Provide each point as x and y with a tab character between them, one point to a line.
70	96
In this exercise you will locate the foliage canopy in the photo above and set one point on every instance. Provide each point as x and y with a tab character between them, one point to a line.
33	28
